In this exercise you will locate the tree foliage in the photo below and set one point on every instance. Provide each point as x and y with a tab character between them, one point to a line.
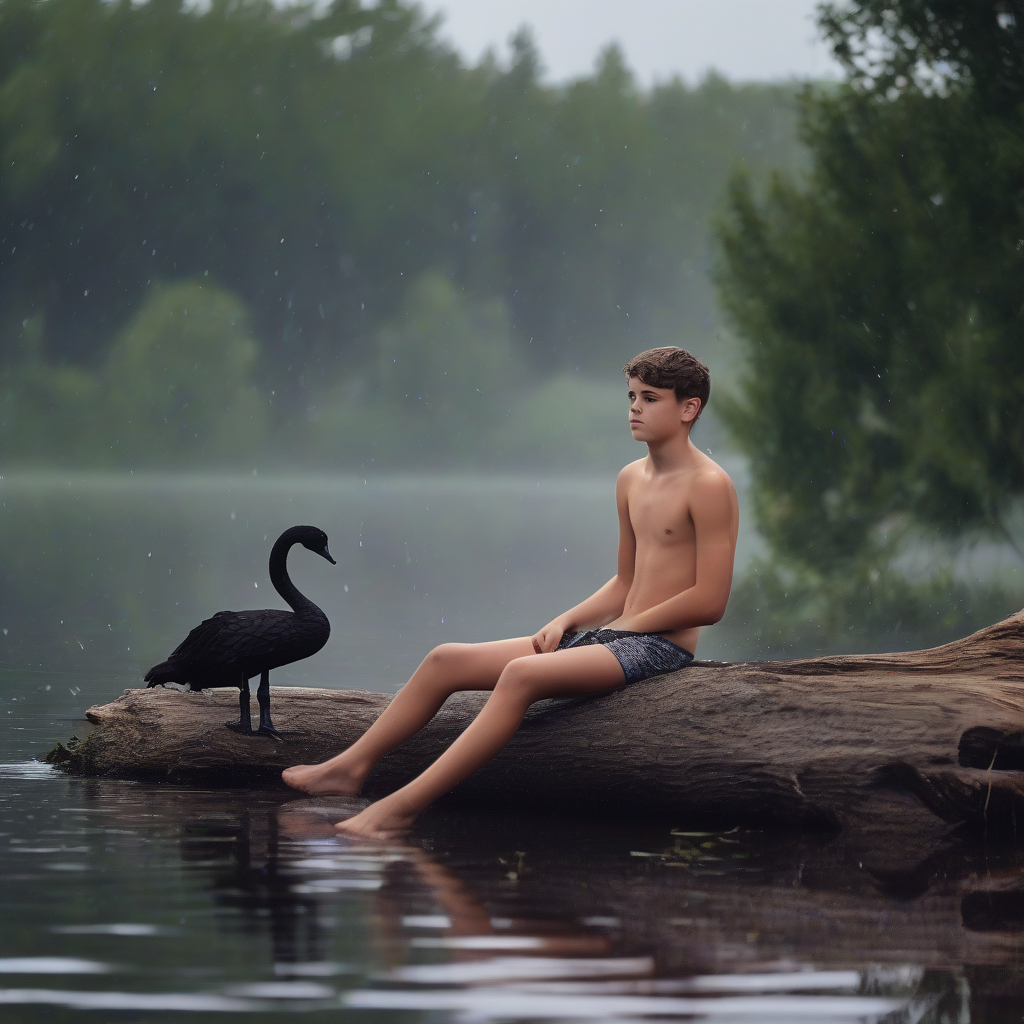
177	388
442	373
178	385
315	161
881	298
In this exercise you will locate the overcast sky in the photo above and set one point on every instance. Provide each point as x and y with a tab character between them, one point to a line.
743	39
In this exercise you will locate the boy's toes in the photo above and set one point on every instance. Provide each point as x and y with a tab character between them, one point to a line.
296	777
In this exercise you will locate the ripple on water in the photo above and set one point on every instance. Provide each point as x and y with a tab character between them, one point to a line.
496	1004
27	770
426	921
132	930
198	1002
326	886
283	990
323	969
520	968
51	965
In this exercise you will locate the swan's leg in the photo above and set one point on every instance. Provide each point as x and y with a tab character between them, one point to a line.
263	697
244	723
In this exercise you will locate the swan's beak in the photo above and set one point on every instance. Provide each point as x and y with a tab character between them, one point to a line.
327	555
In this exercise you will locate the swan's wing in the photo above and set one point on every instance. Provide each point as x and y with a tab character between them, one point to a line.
230	637
203	640
256	635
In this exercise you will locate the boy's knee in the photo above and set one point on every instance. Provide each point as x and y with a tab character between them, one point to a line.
445	655
444	667
518	678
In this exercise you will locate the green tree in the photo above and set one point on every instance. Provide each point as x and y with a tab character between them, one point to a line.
443	375
47	410
178	386
880	298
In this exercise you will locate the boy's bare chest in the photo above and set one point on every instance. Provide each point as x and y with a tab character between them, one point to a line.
661	516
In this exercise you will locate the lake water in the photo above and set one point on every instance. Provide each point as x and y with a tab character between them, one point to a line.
124	901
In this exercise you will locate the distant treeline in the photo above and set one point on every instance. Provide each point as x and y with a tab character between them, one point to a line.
319	165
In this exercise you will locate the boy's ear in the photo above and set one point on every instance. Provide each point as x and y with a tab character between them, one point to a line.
689	409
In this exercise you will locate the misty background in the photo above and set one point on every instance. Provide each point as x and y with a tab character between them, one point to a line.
359	265
343	247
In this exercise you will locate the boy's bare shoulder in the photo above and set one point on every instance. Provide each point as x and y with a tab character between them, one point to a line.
628	475
631	469
711	496
709	483
710	474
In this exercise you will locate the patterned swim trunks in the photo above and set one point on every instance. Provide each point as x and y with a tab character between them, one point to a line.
641	655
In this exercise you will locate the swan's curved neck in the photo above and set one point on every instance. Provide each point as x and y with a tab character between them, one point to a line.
283	582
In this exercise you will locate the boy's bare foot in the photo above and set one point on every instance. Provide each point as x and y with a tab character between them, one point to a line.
380	821
323	779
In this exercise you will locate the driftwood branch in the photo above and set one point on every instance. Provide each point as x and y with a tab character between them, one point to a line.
920	741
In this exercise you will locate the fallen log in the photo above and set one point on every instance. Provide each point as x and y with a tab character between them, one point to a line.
916	742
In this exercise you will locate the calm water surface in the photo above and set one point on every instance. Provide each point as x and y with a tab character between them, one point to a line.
125	901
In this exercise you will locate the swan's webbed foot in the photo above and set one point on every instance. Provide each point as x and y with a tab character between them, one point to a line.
268	730
239	726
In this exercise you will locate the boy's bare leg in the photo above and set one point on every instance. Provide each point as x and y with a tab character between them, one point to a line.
447	669
569	673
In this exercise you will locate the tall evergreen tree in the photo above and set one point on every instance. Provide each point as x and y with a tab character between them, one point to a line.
880	298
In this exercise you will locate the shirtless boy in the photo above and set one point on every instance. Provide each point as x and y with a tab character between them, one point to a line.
678	519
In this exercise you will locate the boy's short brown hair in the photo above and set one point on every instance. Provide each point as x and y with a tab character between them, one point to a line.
672	367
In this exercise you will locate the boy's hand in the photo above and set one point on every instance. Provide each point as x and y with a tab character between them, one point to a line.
547	639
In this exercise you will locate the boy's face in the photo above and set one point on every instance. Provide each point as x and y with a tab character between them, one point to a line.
655	414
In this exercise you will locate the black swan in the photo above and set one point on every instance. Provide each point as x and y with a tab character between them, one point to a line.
232	647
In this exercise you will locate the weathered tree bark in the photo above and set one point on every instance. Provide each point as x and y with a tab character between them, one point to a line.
916	742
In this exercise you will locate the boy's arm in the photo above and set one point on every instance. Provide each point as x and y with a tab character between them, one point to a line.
715	514
607	603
